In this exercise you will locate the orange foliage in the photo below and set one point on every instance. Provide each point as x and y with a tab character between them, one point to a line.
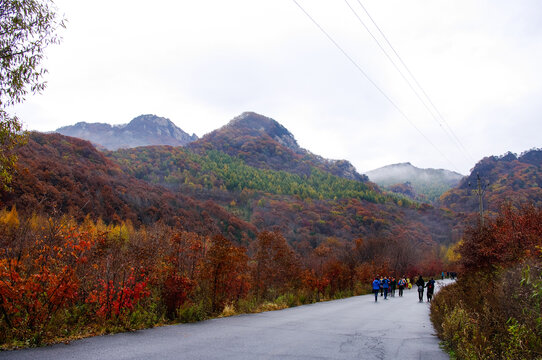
276	266
224	272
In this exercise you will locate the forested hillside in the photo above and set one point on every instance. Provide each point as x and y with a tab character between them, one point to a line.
307	209
264	143
215	170
59	175
211	192
505	179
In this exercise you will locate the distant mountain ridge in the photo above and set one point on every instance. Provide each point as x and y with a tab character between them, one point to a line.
430	183
141	131
264	143
259	140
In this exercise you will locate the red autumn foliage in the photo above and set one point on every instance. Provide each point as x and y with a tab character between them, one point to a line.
118	299
39	278
514	235
183	264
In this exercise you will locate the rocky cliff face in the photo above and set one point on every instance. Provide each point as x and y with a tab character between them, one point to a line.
142	131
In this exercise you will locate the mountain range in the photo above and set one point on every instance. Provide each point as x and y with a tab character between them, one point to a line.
248	176
142	131
251	175
241	217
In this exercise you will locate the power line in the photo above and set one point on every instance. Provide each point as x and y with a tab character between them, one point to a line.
372	82
449	130
390	59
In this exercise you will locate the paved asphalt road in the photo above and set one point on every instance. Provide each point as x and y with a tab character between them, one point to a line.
354	328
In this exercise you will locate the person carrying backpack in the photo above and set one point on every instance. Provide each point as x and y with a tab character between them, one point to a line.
421	284
401	284
430	289
376	288
386	286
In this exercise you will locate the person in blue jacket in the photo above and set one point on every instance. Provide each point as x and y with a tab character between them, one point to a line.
376	287
386	286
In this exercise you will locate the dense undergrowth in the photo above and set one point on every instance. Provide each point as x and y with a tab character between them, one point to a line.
494	310
61	279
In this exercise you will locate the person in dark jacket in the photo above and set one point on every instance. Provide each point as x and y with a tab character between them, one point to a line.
421	284
430	289
376	287
393	286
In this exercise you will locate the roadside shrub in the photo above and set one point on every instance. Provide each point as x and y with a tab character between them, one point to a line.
188	312
287	300
247	305
502	320
443	302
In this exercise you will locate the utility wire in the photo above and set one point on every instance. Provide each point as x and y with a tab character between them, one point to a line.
449	130
373	83
392	61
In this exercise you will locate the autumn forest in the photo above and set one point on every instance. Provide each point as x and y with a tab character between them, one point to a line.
103	241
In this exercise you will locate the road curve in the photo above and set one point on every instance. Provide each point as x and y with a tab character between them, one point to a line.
353	328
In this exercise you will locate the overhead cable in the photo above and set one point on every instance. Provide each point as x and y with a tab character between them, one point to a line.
358	67
448	130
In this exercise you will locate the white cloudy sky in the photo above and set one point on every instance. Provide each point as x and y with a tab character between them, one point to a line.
201	63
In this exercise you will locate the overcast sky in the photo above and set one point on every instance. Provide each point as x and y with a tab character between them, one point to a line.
201	63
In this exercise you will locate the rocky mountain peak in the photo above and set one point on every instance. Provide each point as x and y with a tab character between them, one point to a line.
264	143
254	124
141	131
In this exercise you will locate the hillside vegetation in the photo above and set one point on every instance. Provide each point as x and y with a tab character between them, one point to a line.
93	244
180	168
244	220
263	143
494	310
59	175
506	179
305	208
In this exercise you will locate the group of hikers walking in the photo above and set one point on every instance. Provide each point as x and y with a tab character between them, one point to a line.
387	285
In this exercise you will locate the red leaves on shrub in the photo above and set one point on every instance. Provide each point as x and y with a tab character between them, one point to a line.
513	236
